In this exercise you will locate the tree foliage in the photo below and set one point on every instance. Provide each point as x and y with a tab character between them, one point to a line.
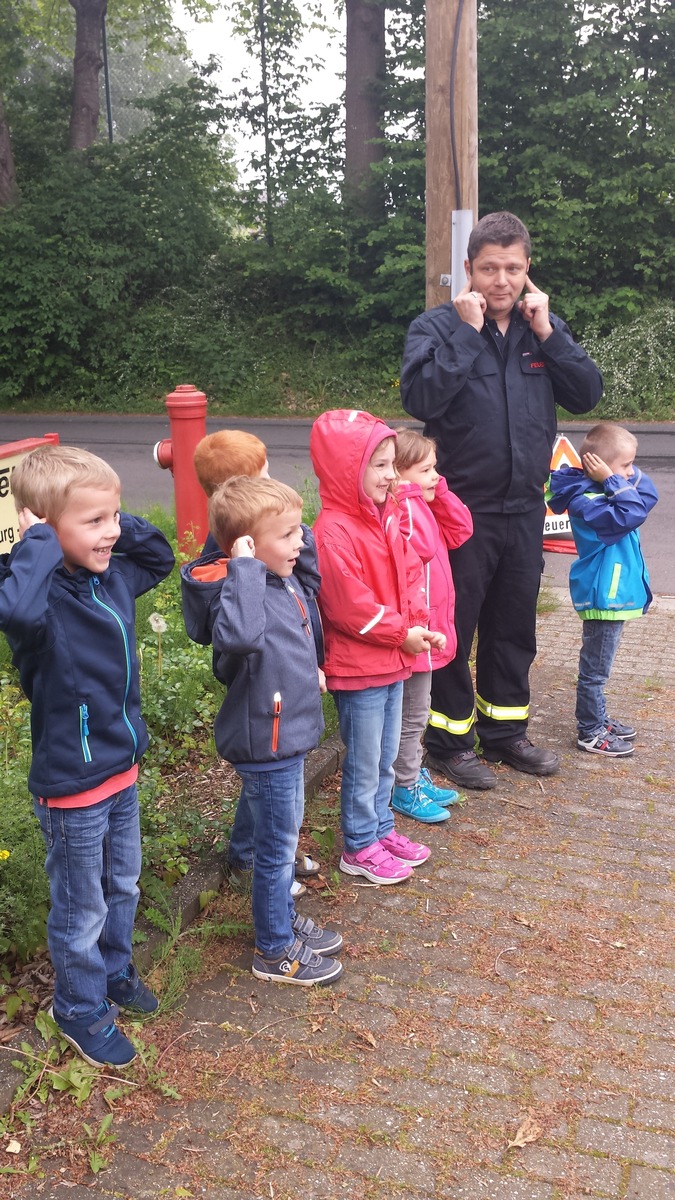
125	269
579	144
98	235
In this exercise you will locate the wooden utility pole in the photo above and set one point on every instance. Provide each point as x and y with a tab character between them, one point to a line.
451	130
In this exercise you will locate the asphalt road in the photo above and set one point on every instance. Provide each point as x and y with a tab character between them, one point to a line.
127	442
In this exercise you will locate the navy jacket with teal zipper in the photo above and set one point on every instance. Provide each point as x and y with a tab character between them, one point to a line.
264	651
73	640
609	581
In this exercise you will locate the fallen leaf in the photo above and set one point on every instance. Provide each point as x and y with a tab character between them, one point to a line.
367	1037
13	1147
529	1131
523	921
619	945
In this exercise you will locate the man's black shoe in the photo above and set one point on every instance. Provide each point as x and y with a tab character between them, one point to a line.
464	769
521	754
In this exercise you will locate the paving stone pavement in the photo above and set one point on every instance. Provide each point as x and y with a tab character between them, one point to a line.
526	974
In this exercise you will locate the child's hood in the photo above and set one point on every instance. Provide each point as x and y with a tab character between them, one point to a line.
341	445
564	485
201	582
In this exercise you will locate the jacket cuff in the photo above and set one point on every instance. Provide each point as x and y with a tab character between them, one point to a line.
555	343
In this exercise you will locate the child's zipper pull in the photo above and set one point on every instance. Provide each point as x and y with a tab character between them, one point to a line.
276	717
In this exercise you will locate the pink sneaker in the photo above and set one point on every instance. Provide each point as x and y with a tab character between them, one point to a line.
411	853
376	863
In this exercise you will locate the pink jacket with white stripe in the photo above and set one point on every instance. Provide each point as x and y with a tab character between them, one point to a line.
432	529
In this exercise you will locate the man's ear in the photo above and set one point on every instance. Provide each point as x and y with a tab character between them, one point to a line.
467	268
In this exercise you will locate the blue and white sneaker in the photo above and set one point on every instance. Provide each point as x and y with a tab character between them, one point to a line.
413	802
320	940
607	744
298	965
440	795
96	1037
128	991
620	730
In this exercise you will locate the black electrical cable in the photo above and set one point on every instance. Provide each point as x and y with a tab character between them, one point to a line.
453	71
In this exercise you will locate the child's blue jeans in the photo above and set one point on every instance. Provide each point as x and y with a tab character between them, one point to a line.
274	802
598	651
370	727
93	863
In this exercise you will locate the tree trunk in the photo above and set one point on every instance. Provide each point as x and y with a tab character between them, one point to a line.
86	69
9	192
365	67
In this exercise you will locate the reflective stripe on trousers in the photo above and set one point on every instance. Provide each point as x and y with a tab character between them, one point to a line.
500	712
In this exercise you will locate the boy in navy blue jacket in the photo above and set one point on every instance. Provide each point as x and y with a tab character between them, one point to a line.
249	602
67	601
606	502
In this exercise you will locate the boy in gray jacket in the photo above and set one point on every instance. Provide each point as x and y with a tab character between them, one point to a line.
248	602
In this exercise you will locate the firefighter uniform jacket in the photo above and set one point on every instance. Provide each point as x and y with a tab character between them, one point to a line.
489	401
493	414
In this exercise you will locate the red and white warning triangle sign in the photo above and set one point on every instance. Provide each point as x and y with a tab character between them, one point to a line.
557	530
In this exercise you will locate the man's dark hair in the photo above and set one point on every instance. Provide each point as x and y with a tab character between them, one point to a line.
500	229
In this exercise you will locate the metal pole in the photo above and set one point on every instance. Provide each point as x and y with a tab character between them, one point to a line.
462	224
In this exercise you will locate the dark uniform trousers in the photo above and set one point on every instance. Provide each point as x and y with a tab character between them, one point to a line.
497	574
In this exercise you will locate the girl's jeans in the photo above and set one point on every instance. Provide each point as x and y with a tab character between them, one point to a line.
598	650
370	727
274	803
93	864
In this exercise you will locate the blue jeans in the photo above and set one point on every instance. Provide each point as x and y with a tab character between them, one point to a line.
370	727
274	802
93	863
598	650
240	849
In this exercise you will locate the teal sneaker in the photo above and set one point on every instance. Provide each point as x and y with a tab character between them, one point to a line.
440	795
413	802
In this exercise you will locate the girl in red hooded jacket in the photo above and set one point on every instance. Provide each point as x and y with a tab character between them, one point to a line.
375	624
434	520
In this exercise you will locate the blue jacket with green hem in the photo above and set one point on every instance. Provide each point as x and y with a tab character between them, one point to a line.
609	581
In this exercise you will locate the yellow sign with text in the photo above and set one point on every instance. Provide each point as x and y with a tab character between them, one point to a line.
11	455
9	525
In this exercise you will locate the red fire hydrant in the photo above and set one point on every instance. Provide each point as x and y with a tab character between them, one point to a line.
187	417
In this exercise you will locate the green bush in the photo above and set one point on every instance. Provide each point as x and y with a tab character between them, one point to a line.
24	891
638	364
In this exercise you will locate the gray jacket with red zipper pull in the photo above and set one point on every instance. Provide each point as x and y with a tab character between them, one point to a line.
264	652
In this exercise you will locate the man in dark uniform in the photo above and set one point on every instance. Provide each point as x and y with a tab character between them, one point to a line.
484	373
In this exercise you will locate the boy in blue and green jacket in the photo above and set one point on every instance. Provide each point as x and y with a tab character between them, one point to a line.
606	503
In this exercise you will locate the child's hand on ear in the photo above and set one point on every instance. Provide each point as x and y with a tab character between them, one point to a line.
28	518
244	547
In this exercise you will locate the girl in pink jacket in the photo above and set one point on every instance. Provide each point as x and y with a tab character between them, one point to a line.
433	520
